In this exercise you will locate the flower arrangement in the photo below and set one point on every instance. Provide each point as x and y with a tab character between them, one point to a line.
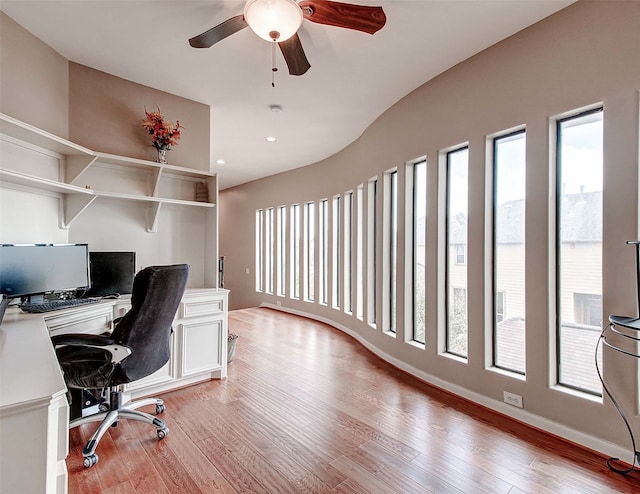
164	134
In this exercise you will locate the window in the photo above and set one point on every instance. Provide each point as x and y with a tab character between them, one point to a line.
419	250
457	176
309	250
295	251
509	181
372	252
259	252
281	251
335	253
392	247
323	246
268	250
348	252
579	184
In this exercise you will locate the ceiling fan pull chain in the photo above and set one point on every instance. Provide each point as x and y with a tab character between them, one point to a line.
274	69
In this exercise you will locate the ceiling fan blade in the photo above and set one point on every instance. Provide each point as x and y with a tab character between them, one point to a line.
219	32
357	17
294	55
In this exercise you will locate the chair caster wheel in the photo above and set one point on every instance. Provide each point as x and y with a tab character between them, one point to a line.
162	433
89	461
159	409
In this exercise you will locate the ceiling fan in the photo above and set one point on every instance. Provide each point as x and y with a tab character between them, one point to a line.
278	21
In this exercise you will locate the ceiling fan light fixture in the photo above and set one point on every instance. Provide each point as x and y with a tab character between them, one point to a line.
273	20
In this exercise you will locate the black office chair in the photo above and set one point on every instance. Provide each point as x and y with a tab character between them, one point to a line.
137	347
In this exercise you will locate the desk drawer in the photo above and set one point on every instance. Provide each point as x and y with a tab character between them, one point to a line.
202	307
93	321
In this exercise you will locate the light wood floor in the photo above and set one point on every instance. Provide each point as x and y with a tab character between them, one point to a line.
307	409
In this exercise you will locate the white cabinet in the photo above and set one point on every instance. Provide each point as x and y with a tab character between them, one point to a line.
202	330
198	341
198	344
163	377
201	346
37	159
94	319
34	414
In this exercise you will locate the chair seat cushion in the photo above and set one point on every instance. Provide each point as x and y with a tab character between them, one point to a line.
86	367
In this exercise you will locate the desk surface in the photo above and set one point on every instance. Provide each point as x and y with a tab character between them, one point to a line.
29	370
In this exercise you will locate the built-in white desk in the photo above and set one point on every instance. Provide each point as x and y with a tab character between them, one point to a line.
34	413
33	409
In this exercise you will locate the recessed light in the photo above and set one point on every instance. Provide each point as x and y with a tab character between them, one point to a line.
221	161
270	139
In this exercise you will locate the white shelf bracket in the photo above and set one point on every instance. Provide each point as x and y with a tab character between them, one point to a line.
72	206
156	182
76	165
154	213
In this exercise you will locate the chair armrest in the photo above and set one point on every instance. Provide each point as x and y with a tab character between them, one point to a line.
118	352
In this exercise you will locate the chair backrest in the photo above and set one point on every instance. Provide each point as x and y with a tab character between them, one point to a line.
146	328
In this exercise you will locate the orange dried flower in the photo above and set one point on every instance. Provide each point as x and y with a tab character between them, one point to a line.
164	134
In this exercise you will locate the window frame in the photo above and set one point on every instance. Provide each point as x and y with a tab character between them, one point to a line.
447	281
323	254
494	275
336	252
281	251
559	121
259	256
392	235
415	168
309	241
294	258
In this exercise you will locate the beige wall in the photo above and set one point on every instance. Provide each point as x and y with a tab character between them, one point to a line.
89	107
583	55
34	80
106	112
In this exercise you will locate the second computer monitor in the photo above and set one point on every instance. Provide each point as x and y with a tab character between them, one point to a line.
111	273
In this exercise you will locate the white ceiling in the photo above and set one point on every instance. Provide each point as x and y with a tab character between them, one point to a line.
354	77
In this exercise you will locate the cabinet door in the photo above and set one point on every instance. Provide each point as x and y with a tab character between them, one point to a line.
58	432
201	342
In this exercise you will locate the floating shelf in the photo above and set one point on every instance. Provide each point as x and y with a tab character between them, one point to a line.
76	164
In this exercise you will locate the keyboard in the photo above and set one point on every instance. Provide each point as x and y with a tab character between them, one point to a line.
51	305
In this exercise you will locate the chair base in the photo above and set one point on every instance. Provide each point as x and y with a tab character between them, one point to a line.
110	418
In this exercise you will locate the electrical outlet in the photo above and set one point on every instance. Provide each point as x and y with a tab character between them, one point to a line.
246	271
278	302
513	399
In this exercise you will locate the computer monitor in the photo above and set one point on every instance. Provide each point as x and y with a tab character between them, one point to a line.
111	273
35	269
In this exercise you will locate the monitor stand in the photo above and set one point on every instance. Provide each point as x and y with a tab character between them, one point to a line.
33	299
